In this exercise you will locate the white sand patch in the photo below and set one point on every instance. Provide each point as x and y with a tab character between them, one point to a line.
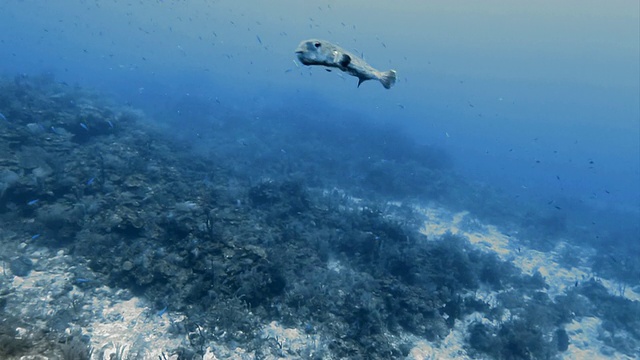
40	288
293	342
132	324
620	289
584	341
451	347
558	278
489	238
583	333
137	325
439	222
125	323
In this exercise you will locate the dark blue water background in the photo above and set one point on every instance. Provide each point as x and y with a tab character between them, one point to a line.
538	99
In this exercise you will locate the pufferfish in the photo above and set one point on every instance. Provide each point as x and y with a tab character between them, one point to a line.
321	52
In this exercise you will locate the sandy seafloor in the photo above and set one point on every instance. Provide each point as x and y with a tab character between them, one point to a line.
131	322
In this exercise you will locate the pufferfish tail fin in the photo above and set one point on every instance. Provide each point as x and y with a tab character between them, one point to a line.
388	78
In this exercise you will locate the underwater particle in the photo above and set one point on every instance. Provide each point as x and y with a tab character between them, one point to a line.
21	266
324	53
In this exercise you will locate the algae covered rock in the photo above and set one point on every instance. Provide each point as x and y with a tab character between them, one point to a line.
21	266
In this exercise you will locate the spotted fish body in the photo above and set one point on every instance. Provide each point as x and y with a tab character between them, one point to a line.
324	53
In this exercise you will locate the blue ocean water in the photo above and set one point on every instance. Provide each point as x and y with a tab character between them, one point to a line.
539	100
520	94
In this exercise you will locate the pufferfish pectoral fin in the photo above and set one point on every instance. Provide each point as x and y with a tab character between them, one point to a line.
343	60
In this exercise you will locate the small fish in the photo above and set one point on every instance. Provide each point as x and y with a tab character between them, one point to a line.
259	40
90	181
324	53
33	202
3	117
82	281
84	126
110	123
35	236
161	312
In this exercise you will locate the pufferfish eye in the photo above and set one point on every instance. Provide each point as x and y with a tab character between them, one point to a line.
317	44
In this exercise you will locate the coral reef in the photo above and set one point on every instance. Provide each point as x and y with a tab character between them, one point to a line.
244	234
